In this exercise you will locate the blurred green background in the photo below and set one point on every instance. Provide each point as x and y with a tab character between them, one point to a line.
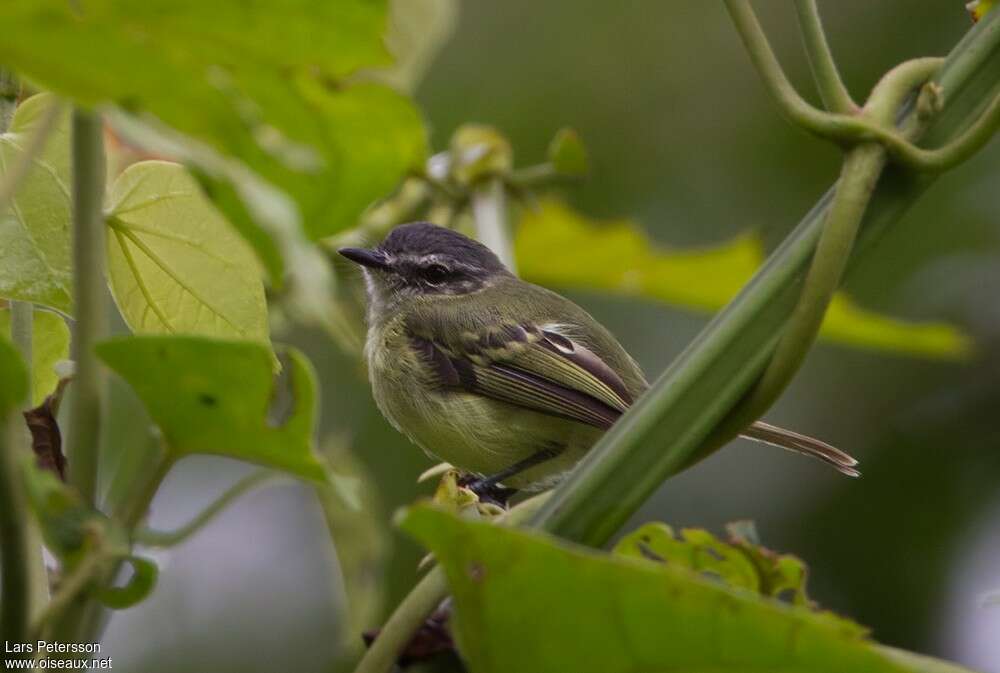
683	140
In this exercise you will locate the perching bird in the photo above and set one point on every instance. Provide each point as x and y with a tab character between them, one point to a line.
499	377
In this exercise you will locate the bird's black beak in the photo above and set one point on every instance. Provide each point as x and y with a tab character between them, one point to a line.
373	259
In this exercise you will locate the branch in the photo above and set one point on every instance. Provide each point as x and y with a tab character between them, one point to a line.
831	87
89	301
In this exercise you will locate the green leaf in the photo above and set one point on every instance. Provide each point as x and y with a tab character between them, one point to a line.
617	257
13	375
139	586
35	252
609	614
49	345
175	264
567	154
271	84
738	563
215	397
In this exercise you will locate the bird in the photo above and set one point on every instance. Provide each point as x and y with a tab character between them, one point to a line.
507	381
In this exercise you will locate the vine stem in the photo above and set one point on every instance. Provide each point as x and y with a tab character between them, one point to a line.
859	174
35	578
156	538
89	301
489	209
15	540
831	87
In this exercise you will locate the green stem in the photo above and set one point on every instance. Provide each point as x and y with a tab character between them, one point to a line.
489	209
844	129
156	538
21	332
858	178
831	87
89	301
15	540
423	599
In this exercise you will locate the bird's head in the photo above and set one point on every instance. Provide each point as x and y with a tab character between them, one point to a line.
421	259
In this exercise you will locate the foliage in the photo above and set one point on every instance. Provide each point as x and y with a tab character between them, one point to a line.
219	397
268	84
34	226
618	258
174	264
606	613
738	563
14	374
50	345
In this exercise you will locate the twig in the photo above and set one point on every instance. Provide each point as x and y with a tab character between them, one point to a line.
89	301
156	538
831	87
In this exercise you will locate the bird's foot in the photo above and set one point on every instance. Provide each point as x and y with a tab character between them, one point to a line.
487	489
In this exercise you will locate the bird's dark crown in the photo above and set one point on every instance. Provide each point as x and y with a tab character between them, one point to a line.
423	258
423	239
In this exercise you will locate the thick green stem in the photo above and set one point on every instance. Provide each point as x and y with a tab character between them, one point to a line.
831	87
15	538
89	301
489	209
858	178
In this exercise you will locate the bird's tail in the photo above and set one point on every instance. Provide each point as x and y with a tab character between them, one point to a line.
810	446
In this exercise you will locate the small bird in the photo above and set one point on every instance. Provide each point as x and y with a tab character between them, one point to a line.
507	381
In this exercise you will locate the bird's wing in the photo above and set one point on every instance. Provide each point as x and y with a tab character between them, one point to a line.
528	365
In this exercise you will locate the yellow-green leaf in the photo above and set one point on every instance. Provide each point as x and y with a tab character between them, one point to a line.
176	266
49	345
619	258
14	376
607	614
221	397
35	226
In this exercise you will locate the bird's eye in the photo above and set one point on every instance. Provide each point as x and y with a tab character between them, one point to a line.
435	274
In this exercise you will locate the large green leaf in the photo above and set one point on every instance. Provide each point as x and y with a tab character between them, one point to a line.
220	397
266	82
608	614
617	257
49	345
35	227
175	264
